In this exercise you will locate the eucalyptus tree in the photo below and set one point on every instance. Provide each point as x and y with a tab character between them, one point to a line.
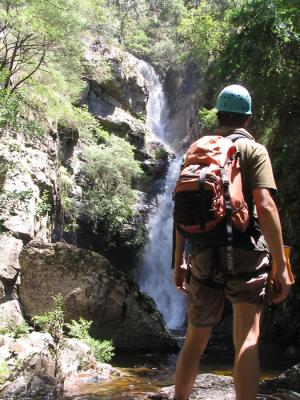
33	30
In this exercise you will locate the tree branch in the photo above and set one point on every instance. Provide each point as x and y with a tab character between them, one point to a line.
31	73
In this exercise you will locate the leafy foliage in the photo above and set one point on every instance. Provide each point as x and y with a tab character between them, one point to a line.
109	171
103	350
203	31
44	205
34	31
208	119
263	52
53	321
13	329
148	28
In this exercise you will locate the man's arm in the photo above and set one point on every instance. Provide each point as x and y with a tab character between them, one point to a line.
270	224
180	266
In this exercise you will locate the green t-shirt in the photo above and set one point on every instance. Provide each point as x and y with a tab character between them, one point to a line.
256	165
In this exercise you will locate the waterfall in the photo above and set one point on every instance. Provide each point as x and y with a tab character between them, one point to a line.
157	112
154	272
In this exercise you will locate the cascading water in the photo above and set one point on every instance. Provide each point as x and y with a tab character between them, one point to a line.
155	274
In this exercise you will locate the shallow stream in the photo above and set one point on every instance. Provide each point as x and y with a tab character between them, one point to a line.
144	373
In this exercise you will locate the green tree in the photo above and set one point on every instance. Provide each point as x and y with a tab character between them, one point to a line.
262	51
148	28
203	31
32	31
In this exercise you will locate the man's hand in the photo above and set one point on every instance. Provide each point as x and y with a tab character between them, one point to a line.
180	267
282	284
180	271
270	223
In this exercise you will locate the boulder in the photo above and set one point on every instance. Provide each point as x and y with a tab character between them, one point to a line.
33	368
288	380
40	369
94	290
10	248
121	122
10	314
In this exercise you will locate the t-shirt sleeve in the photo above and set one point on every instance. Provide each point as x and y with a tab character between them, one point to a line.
260	173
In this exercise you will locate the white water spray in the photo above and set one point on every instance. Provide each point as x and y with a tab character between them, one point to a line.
155	274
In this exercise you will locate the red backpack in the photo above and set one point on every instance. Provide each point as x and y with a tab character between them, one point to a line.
208	193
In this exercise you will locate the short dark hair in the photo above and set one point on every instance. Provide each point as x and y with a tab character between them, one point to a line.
232	119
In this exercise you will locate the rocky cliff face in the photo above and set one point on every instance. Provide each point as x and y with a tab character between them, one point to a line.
30	209
183	88
119	102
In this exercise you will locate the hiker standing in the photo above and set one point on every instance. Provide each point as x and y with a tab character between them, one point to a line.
245	287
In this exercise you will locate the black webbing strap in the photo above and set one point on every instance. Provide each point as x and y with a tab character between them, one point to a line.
251	274
202	202
212	281
228	213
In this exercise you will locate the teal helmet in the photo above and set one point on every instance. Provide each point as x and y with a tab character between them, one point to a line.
236	99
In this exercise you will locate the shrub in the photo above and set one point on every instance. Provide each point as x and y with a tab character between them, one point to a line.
44	205
103	350
52	321
13	329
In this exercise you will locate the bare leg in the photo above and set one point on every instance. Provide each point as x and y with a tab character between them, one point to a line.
188	362
246	319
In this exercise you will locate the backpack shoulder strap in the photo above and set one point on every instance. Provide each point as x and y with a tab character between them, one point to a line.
240	134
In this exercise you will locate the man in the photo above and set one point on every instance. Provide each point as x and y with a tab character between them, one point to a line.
247	290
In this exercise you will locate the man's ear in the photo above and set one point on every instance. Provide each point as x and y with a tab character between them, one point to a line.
248	120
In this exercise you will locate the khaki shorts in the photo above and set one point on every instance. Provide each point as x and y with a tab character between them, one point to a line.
207	289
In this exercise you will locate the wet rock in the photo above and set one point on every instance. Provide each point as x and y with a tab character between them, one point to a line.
288	380
76	384
94	290
75	356
215	387
206	387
